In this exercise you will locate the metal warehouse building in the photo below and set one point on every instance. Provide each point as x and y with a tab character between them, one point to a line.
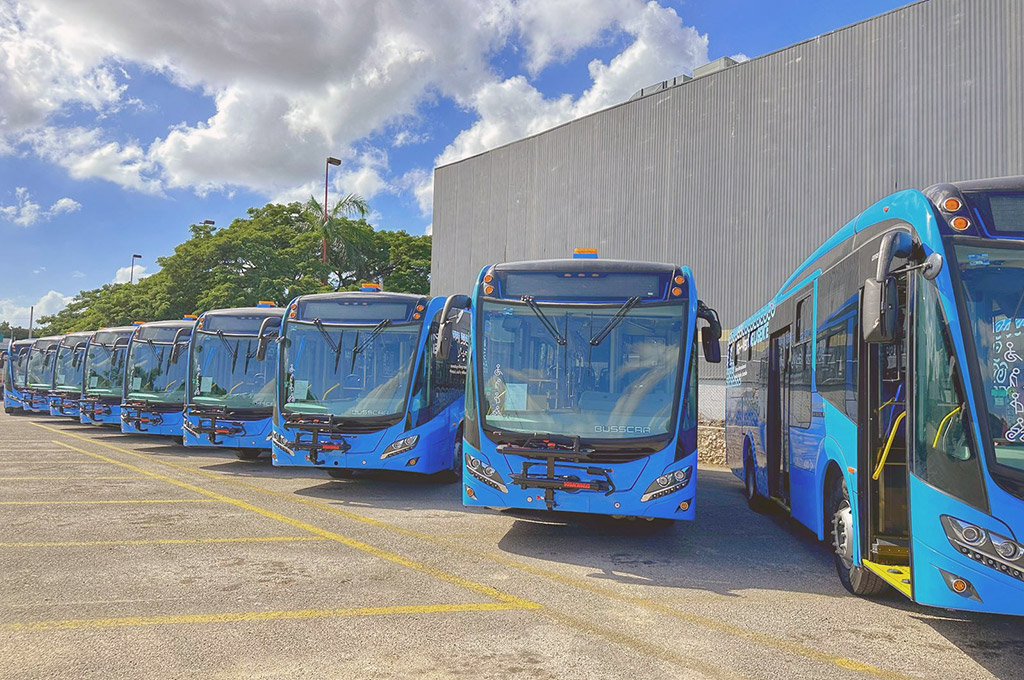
744	169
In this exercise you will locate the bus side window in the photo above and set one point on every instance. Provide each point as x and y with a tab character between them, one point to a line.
800	367
836	359
945	452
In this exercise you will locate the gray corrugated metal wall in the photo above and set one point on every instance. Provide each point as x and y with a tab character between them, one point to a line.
741	174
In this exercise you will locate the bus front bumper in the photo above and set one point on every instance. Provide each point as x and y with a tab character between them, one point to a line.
93	412
425	450
138	420
581	488
64	406
226	432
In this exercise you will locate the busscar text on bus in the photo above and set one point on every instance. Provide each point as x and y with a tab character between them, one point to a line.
878	397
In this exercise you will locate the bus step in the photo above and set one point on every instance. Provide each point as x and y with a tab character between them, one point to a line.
895	575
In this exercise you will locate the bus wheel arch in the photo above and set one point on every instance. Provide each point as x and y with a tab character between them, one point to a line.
839	527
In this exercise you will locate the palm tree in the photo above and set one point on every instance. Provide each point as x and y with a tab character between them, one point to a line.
345	241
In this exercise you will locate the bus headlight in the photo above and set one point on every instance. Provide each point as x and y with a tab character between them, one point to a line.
986	547
667	483
400	446
485	473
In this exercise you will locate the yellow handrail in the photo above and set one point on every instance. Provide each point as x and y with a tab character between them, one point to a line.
942	425
329	391
888	445
240	383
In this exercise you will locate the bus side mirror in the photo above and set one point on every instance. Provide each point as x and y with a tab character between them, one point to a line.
265	337
712	348
878	312
444	331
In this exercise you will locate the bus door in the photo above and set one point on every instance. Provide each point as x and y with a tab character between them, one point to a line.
883	454
778	414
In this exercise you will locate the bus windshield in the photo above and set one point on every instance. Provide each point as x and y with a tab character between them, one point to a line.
40	365
605	372
67	376
226	372
18	363
993	286
348	371
104	369
155	372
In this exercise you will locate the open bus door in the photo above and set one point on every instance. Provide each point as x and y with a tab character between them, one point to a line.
778	414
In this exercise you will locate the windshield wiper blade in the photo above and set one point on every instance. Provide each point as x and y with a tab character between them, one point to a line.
614	321
360	348
551	328
233	351
330	343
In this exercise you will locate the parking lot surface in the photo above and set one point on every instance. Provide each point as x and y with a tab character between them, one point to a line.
134	557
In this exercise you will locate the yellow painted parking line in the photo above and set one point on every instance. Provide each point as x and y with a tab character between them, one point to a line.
160	541
732	630
76	478
236	617
439	574
117	501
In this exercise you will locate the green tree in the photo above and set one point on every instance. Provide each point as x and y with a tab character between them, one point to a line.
10	332
349	241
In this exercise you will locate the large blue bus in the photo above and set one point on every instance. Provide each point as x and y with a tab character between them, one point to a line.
39	374
232	379
155	374
66	384
103	376
363	383
582	394
14	383
878	397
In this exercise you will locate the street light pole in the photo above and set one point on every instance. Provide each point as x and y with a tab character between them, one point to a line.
131	276
323	246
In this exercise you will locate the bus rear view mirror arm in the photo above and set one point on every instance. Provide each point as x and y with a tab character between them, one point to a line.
444	331
265	337
711	334
880	304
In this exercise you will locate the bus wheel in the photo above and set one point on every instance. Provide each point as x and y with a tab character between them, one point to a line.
8	410
755	502
457	458
247	454
857	580
341	473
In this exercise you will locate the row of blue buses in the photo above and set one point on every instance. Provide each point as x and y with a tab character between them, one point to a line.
878	397
560	385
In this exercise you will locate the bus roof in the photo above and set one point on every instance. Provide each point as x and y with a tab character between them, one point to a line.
47	342
173	323
360	296
246	311
585	265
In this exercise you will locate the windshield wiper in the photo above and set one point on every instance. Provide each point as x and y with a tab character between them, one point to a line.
614	321
330	343
233	351
360	348
551	328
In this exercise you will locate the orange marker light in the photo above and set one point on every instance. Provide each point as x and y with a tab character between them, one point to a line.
679	280
488	289
419	308
488	278
677	291
416	315
959	585
951	204
960	223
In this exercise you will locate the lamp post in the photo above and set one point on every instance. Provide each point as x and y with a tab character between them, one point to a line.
131	276
323	246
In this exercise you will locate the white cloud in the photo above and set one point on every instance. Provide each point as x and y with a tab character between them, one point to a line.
408	138
18	315
662	47
77	274
123	275
25	212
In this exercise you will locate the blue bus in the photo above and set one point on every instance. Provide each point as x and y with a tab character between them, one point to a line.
363	383
66	385
232	379
39	374
878	397
14	383
155	374
582	395
103	376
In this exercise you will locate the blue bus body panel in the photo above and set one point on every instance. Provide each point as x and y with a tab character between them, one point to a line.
230	432
136	420
36	402
13	398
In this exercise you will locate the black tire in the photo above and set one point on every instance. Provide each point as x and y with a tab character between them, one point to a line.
755	502
248	454
858	580
341	473
455	474
9	410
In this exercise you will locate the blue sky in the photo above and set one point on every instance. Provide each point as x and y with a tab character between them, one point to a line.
121	125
